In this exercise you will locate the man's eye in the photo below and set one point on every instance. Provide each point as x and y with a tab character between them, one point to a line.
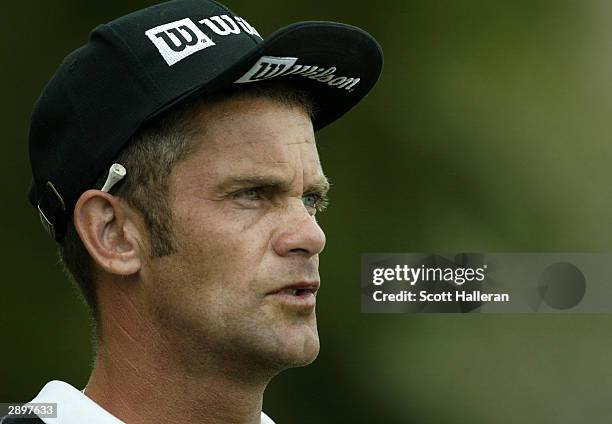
311	200
250	194
315	202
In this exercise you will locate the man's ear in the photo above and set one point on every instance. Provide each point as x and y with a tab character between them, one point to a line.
109	232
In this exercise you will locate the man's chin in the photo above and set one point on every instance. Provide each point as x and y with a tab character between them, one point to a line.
297	349
307	356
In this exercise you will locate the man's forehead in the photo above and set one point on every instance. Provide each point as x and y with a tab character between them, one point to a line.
254	138
257	126
260	150
243	105
263	161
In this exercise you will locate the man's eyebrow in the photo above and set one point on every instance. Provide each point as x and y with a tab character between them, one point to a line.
239	181
320	186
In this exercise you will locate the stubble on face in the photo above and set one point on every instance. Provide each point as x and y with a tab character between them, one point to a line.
243	230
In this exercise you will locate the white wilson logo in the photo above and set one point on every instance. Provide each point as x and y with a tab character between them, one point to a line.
177	40
271	67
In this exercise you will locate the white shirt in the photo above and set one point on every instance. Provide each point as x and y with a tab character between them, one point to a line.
73	407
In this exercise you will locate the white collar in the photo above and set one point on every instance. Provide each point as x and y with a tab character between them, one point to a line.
73	407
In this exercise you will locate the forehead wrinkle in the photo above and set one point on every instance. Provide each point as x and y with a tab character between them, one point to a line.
272	160
305	141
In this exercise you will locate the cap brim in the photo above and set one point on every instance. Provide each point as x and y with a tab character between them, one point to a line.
318	46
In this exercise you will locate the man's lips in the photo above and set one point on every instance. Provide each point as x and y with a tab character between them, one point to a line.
297	288
297	295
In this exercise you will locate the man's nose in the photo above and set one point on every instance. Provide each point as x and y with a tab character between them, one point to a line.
298	233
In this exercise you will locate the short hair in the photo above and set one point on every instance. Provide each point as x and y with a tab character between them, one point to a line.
149	156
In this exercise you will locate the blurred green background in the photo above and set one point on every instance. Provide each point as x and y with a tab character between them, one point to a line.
489	131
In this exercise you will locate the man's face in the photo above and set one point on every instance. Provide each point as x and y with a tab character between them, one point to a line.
240	286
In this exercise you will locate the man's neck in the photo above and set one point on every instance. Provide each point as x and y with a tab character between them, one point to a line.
135	398
138	378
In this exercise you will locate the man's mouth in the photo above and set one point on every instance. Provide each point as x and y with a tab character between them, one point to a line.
300	295
297	289
297	292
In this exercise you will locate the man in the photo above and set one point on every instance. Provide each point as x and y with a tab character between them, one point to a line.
174	161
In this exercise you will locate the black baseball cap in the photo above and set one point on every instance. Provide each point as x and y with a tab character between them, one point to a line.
137	67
